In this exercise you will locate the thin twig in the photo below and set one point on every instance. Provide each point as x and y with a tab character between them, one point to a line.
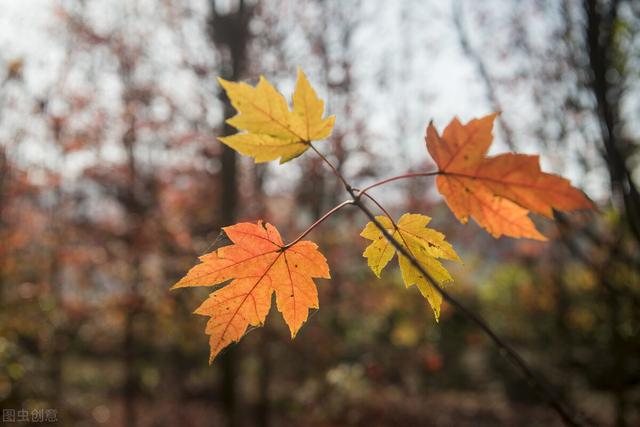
370	197
318	222
395	178
336	172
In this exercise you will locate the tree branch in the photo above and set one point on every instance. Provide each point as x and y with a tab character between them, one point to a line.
506	350
568	416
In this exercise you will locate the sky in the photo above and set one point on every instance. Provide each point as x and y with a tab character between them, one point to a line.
407	62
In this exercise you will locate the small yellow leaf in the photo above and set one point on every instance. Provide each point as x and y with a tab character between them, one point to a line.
270	130
425	244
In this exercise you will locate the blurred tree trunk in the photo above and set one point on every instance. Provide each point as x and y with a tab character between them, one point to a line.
135	200
605	57
230	33
131	304
4	175
4	178
601	20
263	407
263	413
57	316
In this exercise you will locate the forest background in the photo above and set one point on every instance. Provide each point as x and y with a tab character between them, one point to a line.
112	183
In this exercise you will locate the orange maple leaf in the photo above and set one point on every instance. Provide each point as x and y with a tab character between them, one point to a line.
497	192
258	263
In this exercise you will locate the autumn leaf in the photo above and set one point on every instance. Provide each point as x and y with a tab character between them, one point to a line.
258	264
425	244
497	192
271	129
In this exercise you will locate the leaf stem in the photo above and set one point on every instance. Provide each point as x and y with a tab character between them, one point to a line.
336	172
395	178
318	222
370	197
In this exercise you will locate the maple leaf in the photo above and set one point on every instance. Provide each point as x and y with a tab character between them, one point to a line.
497	192
272	130
425	244
258	264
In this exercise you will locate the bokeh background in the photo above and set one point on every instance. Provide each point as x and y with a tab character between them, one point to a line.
112	183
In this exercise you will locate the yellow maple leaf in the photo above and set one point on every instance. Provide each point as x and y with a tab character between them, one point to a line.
425	244
271	129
